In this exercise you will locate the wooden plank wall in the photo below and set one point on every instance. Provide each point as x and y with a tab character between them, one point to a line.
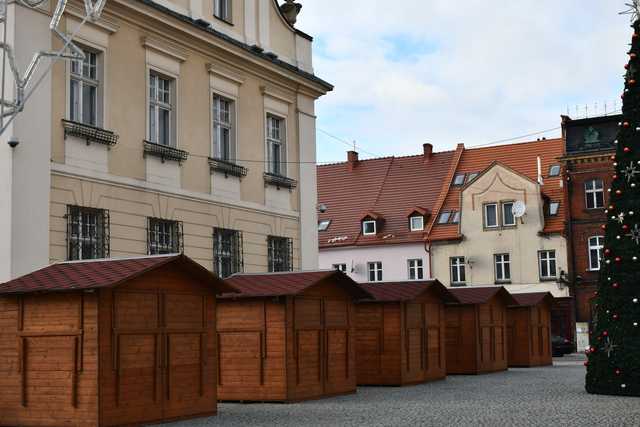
461	339
48	360
530	335
492	324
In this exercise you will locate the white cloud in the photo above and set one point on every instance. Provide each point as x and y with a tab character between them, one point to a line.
447	72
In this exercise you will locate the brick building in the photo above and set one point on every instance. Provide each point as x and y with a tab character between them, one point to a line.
588	171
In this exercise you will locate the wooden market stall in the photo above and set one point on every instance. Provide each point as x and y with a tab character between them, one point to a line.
477	330
287	337
401	333
109	342
529	330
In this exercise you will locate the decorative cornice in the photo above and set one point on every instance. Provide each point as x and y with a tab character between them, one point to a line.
163	47
105	23
267	91
212	69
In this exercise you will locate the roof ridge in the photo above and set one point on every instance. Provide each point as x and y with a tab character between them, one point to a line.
391	157
131	258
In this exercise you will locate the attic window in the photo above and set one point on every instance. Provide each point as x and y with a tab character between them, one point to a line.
455	217
324	225
416	223
554	207
444	218
369	228
472	176
554	170
458	180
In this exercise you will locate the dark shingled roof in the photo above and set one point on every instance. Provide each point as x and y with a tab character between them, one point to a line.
531	299
406	291
289	283
481	295
95	274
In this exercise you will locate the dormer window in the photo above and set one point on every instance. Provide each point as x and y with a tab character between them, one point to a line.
416	223
444	217
369	227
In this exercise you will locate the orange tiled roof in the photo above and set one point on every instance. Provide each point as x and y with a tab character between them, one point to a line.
391	187
522	158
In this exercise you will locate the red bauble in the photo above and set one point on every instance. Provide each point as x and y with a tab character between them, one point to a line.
595	294
626	66
626	124
615	176
625	227
615	317
632	82
615	285
632	55
586	363
627	149
607	251
603	226
618	192
605	334
618	259
618	371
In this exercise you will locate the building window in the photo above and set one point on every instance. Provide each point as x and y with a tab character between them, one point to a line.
444	218
339	267
164	236
502	267
369	228
280	254
458	276
84	89
596	245
508	219
276	145
416	269
554	207
87	233
455	217
161	110
554	170
416	223
472	176
458	180
222	9
375	271
324	225
227	252
223	129
594	192
491	215
547	260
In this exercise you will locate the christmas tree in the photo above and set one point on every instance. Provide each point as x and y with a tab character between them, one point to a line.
614	354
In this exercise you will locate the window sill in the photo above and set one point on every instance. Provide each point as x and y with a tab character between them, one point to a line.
165	152
548	279
459	284
227	168
280	181
502	282
89	133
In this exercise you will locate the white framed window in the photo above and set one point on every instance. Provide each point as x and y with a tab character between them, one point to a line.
594	193
547	261
596	245
502	267
554	207
416	269
459	178
85	89
276	145
340	267
491	215
375	271
554	170
324	225
369	228
161	109
458	274
416	223
224	146
508	219
222	9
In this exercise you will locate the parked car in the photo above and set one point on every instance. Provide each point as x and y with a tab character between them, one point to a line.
561	346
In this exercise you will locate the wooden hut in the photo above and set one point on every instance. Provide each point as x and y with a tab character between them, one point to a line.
477	330
109	342
400	334
287	337
529	330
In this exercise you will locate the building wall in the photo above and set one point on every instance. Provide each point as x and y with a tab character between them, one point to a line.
393	257
522	242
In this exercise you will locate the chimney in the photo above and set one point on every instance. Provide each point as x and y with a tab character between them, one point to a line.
352	159
290	9
428	151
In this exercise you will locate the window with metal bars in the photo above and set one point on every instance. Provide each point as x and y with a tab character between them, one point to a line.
280	254
227	252
164	236
87	233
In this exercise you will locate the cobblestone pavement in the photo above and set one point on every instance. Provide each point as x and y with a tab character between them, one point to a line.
550	396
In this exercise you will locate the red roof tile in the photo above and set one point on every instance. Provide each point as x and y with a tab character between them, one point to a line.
95	274
289	283
531	299
405	291
390	187
480	295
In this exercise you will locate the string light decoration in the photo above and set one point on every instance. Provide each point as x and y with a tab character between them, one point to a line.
613	367
24	81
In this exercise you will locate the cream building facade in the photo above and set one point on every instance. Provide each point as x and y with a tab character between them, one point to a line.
190	126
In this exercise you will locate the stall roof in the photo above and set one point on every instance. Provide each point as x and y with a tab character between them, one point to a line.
531	299
480	295
289	283
406	291
104	273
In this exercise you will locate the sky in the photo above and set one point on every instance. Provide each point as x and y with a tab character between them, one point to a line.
448	72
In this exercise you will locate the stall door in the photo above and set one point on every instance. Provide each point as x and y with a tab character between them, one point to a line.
336	352
369	342
434	318
415	342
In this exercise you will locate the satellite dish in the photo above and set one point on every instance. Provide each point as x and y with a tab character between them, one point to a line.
519	209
